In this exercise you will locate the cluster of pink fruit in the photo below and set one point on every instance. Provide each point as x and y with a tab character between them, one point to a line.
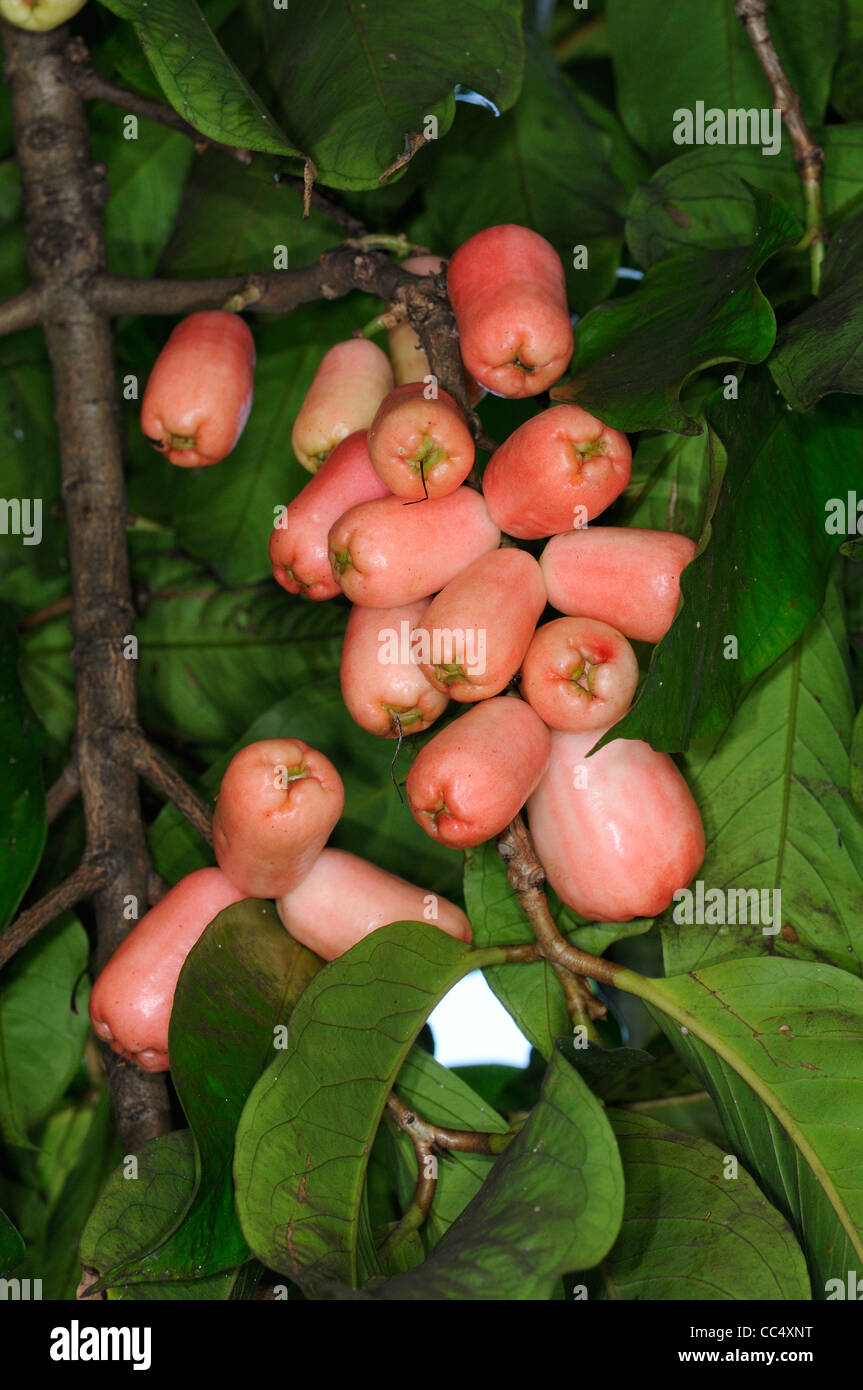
442	611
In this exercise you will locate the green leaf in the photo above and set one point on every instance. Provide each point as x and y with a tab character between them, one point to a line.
689	1232
666	58
530	993
760	582
238	985
139	1204
198	77
633	356
777	1044
355	82
819	351
305	1135
147	176
22	819
553	1202
704	198
772	790
668	487
11	1246
856	771
550	154
41	1038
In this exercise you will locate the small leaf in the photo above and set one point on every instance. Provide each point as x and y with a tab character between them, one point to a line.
22	819
11	1246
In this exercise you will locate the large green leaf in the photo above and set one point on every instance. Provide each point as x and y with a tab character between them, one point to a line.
554	162
690	1232
355	82
666	57
198	78
633	356
819	351
137	1207
773	794
703	199
553	1202
237	987
762	572
530	993
43	1026
777	1043
305	1135
22	819
147	175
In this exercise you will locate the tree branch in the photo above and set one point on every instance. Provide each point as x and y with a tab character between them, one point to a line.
168	782
23	310
527	880
88	878
808	156
64	790
63	196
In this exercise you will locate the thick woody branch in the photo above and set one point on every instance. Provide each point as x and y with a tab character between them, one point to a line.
63	194
168	782
808	155
89	876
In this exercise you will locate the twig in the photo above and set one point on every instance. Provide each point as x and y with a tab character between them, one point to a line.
30	621
92	86
21	311
808	156
64	790
430	1142
88	878
527	880
168	782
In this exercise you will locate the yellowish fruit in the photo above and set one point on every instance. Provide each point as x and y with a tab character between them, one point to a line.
39	14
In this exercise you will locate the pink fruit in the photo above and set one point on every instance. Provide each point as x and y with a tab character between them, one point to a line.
298	543
623	576
405	349
473	778
386	553
555	472
199	394
579	674
420	448
474	634
131	1002
382	684
278	803
346	390
344	898
508	293
617	833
